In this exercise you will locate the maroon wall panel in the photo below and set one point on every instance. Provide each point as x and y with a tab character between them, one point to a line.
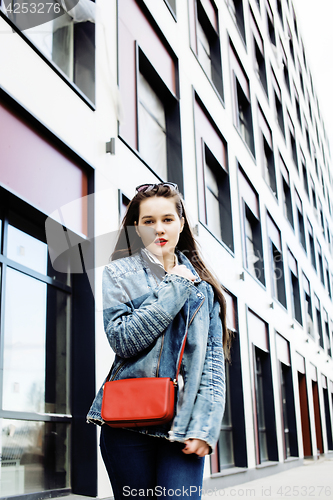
134	28
38	172
303	400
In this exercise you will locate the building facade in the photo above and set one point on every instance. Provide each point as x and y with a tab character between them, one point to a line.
217	96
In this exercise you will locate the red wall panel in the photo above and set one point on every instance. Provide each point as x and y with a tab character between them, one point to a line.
38	172
134	28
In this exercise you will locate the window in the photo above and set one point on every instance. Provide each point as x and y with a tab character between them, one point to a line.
308	306
286	193
300	218
171	5
252	229
307	136
278	103
292	141
311	244
313	197
304	57
295	293
123	202
270	23
237	13
152	127
291	43
231	446
328	280
327	413
328	234
243	112
205	40
148	86
279	9
298	109
285	66
264	418
309	108
267	152
262	431
35	357
259	54
301	80
305	174
316	163
320	263
318	320
217	195
295	23
327	334
287	397
278	283
70	44
321	217
213	177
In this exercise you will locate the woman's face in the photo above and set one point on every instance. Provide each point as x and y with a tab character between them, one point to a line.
159	225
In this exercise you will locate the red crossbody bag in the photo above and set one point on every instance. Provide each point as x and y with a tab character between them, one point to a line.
137	402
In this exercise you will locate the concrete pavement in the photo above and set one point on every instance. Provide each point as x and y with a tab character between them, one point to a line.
311	481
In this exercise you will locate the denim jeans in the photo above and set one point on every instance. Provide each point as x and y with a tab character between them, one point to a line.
146	466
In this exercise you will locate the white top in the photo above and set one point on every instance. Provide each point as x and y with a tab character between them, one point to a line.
154	259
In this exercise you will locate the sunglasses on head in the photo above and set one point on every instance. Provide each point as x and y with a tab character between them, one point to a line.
149	187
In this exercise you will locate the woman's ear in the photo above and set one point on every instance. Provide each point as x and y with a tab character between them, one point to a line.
182	223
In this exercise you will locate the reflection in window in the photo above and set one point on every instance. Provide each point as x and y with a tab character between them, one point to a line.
38	333
152	127
226	449
287	203
71	46
212	202
24	341
253	246
236	11
204	51
26	250
308	306
35	456
217	199
260	408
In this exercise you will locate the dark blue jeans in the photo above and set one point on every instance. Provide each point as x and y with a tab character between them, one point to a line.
154	465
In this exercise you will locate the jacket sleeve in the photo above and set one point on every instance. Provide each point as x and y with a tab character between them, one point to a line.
210	399
132	325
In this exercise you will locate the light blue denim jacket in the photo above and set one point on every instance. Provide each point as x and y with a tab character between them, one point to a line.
145	313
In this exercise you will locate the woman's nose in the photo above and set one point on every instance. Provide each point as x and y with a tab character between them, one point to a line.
159	228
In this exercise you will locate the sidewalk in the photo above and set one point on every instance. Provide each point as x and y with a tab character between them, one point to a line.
311	481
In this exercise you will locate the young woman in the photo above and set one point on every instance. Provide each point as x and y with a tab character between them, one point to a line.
157	278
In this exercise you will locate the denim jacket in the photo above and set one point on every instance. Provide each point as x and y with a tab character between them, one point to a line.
145	315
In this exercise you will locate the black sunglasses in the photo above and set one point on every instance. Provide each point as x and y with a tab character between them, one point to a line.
149	187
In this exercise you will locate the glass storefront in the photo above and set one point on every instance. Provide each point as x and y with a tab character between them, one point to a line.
35	414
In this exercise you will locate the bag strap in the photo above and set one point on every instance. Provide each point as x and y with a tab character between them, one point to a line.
181	352
183	346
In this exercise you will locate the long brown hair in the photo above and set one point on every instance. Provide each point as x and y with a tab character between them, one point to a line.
128	244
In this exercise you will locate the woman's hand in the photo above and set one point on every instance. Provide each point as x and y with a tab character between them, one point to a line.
197	446
182	270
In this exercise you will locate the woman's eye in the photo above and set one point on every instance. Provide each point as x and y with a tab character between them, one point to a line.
168	220
147	221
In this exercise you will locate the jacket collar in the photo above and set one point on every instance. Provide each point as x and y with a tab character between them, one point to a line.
182	259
